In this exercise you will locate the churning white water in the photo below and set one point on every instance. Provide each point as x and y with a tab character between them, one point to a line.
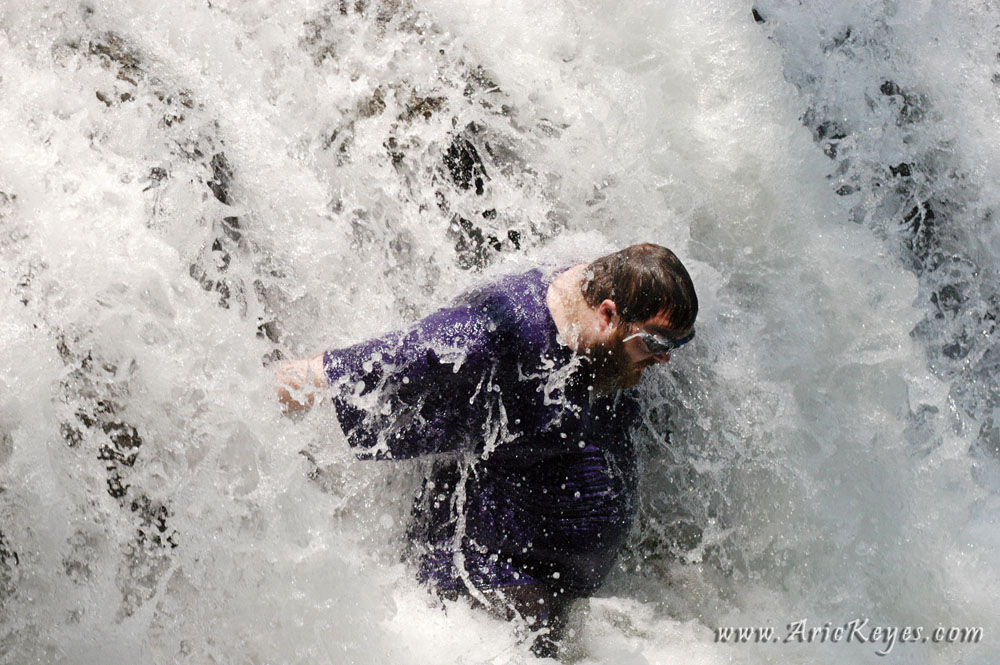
191	191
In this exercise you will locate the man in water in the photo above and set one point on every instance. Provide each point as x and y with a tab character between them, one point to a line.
521	382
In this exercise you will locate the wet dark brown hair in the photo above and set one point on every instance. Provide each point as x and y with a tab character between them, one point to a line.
644	281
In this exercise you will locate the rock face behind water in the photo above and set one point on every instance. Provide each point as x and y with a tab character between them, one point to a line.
446	147
919	204
459	118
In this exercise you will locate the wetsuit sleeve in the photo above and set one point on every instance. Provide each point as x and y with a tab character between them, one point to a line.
417	392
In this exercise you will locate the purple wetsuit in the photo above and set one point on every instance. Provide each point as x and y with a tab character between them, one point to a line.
541	485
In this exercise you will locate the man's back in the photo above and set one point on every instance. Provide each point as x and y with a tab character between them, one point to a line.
544	488
522	383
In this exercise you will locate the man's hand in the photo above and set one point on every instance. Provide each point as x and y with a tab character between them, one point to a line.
298	383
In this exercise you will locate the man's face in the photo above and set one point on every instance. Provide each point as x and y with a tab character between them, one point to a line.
619	364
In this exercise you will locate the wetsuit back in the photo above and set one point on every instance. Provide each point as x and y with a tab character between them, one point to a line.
541	485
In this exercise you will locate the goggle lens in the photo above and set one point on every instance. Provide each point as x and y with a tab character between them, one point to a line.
659	343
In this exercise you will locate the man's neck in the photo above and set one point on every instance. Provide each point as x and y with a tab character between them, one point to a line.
569	309
577	323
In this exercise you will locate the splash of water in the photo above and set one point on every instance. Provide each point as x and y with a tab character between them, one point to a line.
191	192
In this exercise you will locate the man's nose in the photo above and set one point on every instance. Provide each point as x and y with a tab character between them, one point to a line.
662	357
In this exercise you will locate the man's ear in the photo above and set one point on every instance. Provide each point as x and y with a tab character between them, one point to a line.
607	313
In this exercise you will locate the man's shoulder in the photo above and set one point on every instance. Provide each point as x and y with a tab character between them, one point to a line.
512	297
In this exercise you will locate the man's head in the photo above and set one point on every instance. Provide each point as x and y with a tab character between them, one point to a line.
636	292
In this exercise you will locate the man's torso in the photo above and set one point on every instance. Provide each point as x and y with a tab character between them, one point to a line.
544	486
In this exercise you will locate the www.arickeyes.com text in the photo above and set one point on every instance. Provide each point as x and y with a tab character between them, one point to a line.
856	630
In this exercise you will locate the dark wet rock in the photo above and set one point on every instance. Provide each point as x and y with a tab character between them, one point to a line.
683	536
396	153
222	256
153	525
757	16
95	422
457	198
373	106
478	238
148	560
902	170
124	443
913	204
910	105
6	447
949	299
474	248
825	132
156	176
113	51
222	177
841	39
211	269
174	103
515	238
81	559
314	42
465	165
268	326
231	228
183	98
958	348
479	80
272	357
70	434
200	275
922	225
269	330
96	389
9	563
423	107
225	290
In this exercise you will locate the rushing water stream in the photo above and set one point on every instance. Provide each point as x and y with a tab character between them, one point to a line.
192	191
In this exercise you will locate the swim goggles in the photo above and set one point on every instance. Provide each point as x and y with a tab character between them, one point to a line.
660	344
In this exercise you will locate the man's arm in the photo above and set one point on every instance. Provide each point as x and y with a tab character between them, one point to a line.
409	393
298	383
